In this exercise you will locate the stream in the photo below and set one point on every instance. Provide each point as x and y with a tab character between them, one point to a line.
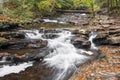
63	58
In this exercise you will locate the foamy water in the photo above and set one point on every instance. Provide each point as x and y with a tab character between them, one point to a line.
7	69
64	57
92	36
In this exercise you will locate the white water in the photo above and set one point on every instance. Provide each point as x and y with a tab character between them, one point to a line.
3	59
53	21
48	20
65	57
92	36
32	34
6	69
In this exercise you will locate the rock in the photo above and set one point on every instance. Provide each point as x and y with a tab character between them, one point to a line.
7	26
79	22
3	41
114	40
115	32
37	44
10	59
18	35
11	35
51	31
24	43
81	32
75	31
40	54
50	36
81	43
101	39
5	53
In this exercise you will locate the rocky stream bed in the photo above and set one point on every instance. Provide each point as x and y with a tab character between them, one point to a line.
93	52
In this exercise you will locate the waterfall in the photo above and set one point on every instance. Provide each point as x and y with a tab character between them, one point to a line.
92	36
3	59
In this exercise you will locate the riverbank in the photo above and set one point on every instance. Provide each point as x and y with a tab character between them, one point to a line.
107	67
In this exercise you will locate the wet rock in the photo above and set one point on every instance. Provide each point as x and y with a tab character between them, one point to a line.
10	59
50	36
11	35
18	35
101	39
51	31
40	54
6	26
38	44
24	43
114	40
81	43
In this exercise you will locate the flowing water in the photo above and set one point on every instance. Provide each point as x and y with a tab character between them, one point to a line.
64	58
7	69
92	36
3	59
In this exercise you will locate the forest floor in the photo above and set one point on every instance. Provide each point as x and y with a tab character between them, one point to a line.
107	67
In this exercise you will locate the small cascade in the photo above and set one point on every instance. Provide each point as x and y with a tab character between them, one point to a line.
63	58
32	34
92	36
54	21
48	20
7	69
3	59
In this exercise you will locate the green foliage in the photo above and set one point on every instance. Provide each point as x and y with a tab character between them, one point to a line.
65	4
19	9
45	6
27	9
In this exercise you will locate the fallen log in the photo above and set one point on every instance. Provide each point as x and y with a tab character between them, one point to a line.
73	11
